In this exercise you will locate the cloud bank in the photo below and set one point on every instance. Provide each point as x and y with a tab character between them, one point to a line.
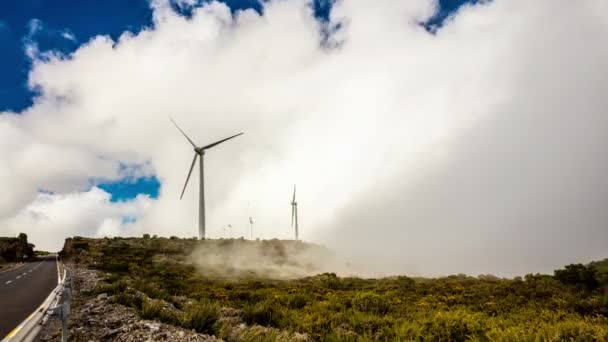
481	148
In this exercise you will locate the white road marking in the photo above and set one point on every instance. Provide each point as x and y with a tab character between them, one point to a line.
8	282
18	277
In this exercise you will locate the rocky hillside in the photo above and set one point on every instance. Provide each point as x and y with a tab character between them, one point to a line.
14	249
159	289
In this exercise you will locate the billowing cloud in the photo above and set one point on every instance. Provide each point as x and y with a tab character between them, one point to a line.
479	148
52	216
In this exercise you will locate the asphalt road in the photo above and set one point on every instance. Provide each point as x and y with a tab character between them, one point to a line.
23	290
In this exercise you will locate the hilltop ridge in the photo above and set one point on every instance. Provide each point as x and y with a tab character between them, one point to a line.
280	259
275	290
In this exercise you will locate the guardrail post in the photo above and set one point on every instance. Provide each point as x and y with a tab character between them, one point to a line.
63	310
64	322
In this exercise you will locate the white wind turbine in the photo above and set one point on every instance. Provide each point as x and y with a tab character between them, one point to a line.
250	228
200	151
294	214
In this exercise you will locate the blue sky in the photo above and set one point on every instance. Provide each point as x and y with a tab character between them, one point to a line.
64	25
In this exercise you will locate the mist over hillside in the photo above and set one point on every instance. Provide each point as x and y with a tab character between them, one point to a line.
275	259
223	258
240	290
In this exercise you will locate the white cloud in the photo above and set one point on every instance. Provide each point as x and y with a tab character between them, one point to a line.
409	147
36	30
34	26
67	34
186	3
50	217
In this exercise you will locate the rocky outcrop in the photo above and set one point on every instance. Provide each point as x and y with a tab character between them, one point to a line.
98	318
73	246
15	249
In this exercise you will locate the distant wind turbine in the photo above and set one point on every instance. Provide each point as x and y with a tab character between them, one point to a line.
294	214
200	151
250	228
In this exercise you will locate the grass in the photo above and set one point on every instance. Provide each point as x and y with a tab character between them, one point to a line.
155	276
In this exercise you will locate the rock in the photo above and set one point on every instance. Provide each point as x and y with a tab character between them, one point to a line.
112	332
153	326
302	337
96	318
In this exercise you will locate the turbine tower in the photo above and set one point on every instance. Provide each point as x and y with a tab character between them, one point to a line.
200	151
250	228
294	214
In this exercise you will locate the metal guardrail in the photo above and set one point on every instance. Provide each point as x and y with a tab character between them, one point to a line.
31	326
63	310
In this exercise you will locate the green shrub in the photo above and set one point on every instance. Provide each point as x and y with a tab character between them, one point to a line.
202	317
128	298
370	302
81	245
578	275
160	310
151	309
458	325
329	280
406	283
111	288
297	301
266	313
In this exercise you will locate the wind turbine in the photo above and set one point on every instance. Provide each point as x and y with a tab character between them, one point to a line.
229	230
250	228
294	213
200	151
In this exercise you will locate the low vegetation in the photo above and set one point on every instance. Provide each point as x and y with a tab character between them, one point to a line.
158	278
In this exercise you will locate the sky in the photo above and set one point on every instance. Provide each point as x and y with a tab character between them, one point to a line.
64	26
426	138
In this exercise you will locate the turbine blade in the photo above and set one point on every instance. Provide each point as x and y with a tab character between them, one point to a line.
294	193
190	140
189	173
219	142
292	214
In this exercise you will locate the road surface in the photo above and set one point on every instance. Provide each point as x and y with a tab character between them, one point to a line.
22	291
